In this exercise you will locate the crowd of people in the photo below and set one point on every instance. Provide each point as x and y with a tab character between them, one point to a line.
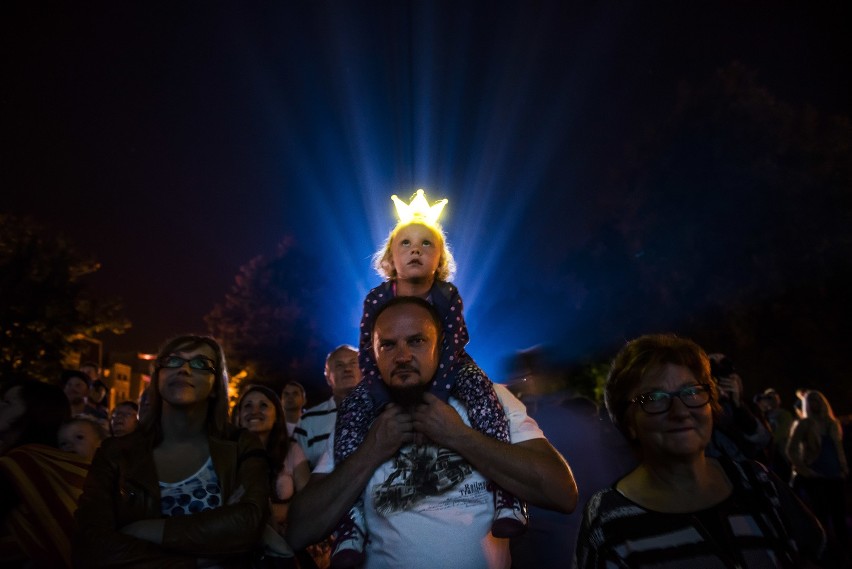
417	459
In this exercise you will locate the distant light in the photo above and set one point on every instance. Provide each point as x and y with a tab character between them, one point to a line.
419	209
147	357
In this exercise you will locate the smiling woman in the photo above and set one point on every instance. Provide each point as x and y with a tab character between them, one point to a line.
186	486
260	411
679	507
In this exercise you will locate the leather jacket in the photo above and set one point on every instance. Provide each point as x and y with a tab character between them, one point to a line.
123	487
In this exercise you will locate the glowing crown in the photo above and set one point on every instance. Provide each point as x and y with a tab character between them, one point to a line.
419	209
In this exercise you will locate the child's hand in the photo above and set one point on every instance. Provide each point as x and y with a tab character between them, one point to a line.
391	430
438	421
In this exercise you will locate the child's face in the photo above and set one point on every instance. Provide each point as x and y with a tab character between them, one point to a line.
416	251
79	438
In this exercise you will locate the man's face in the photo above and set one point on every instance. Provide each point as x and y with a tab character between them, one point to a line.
123	420
342	372
292	398
405	343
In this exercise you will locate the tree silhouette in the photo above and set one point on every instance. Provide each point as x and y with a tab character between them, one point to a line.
265	322
44	302
735	227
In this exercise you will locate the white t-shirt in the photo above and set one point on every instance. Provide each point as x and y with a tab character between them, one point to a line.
428	508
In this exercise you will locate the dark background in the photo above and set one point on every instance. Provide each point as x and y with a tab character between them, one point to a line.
612	168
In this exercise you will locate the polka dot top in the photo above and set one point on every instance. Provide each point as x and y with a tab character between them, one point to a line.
198	493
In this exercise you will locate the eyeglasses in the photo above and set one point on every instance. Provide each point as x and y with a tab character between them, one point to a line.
197	363
655	402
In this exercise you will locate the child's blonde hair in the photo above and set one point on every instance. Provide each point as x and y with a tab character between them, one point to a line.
383	258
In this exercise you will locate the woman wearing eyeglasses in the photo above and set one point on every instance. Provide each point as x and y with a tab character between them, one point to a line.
680	508
186	489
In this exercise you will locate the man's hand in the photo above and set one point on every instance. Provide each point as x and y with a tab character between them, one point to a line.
437	421
319	506
733	387
391	430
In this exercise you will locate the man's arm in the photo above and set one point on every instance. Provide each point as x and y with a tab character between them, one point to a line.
532	470
315	510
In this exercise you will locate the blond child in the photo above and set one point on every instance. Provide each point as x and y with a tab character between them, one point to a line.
416	261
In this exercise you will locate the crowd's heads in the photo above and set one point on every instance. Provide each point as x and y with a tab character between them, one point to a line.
76	385
815	405
406	343
81	436
31	413
91	369
341	369
647	355
383	258
721	366
98	392
293	396
767	400
217	406
124	418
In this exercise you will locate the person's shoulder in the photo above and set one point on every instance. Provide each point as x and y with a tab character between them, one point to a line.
321	409
607	500
129	443
506	397
447	287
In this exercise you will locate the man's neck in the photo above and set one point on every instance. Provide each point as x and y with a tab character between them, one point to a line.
339	396
292	416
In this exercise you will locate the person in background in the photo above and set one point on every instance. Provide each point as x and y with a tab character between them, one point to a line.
124	418
259	410
39	484
293	400
186	488
81	436
76	385
317	423
92	371
98	392
780	422
737	432
680	507
99	396
819	465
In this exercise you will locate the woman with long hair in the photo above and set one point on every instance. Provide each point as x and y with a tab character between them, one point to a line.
819	464
186	488
260	411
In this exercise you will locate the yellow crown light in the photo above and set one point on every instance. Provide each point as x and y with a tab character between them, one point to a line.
419	209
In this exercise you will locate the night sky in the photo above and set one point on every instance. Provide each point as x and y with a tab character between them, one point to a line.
174	142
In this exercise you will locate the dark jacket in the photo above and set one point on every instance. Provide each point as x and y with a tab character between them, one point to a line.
122	487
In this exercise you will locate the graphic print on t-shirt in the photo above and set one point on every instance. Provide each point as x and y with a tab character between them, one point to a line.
419	472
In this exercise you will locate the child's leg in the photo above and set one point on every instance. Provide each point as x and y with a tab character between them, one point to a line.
354	417
350	537
487	416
